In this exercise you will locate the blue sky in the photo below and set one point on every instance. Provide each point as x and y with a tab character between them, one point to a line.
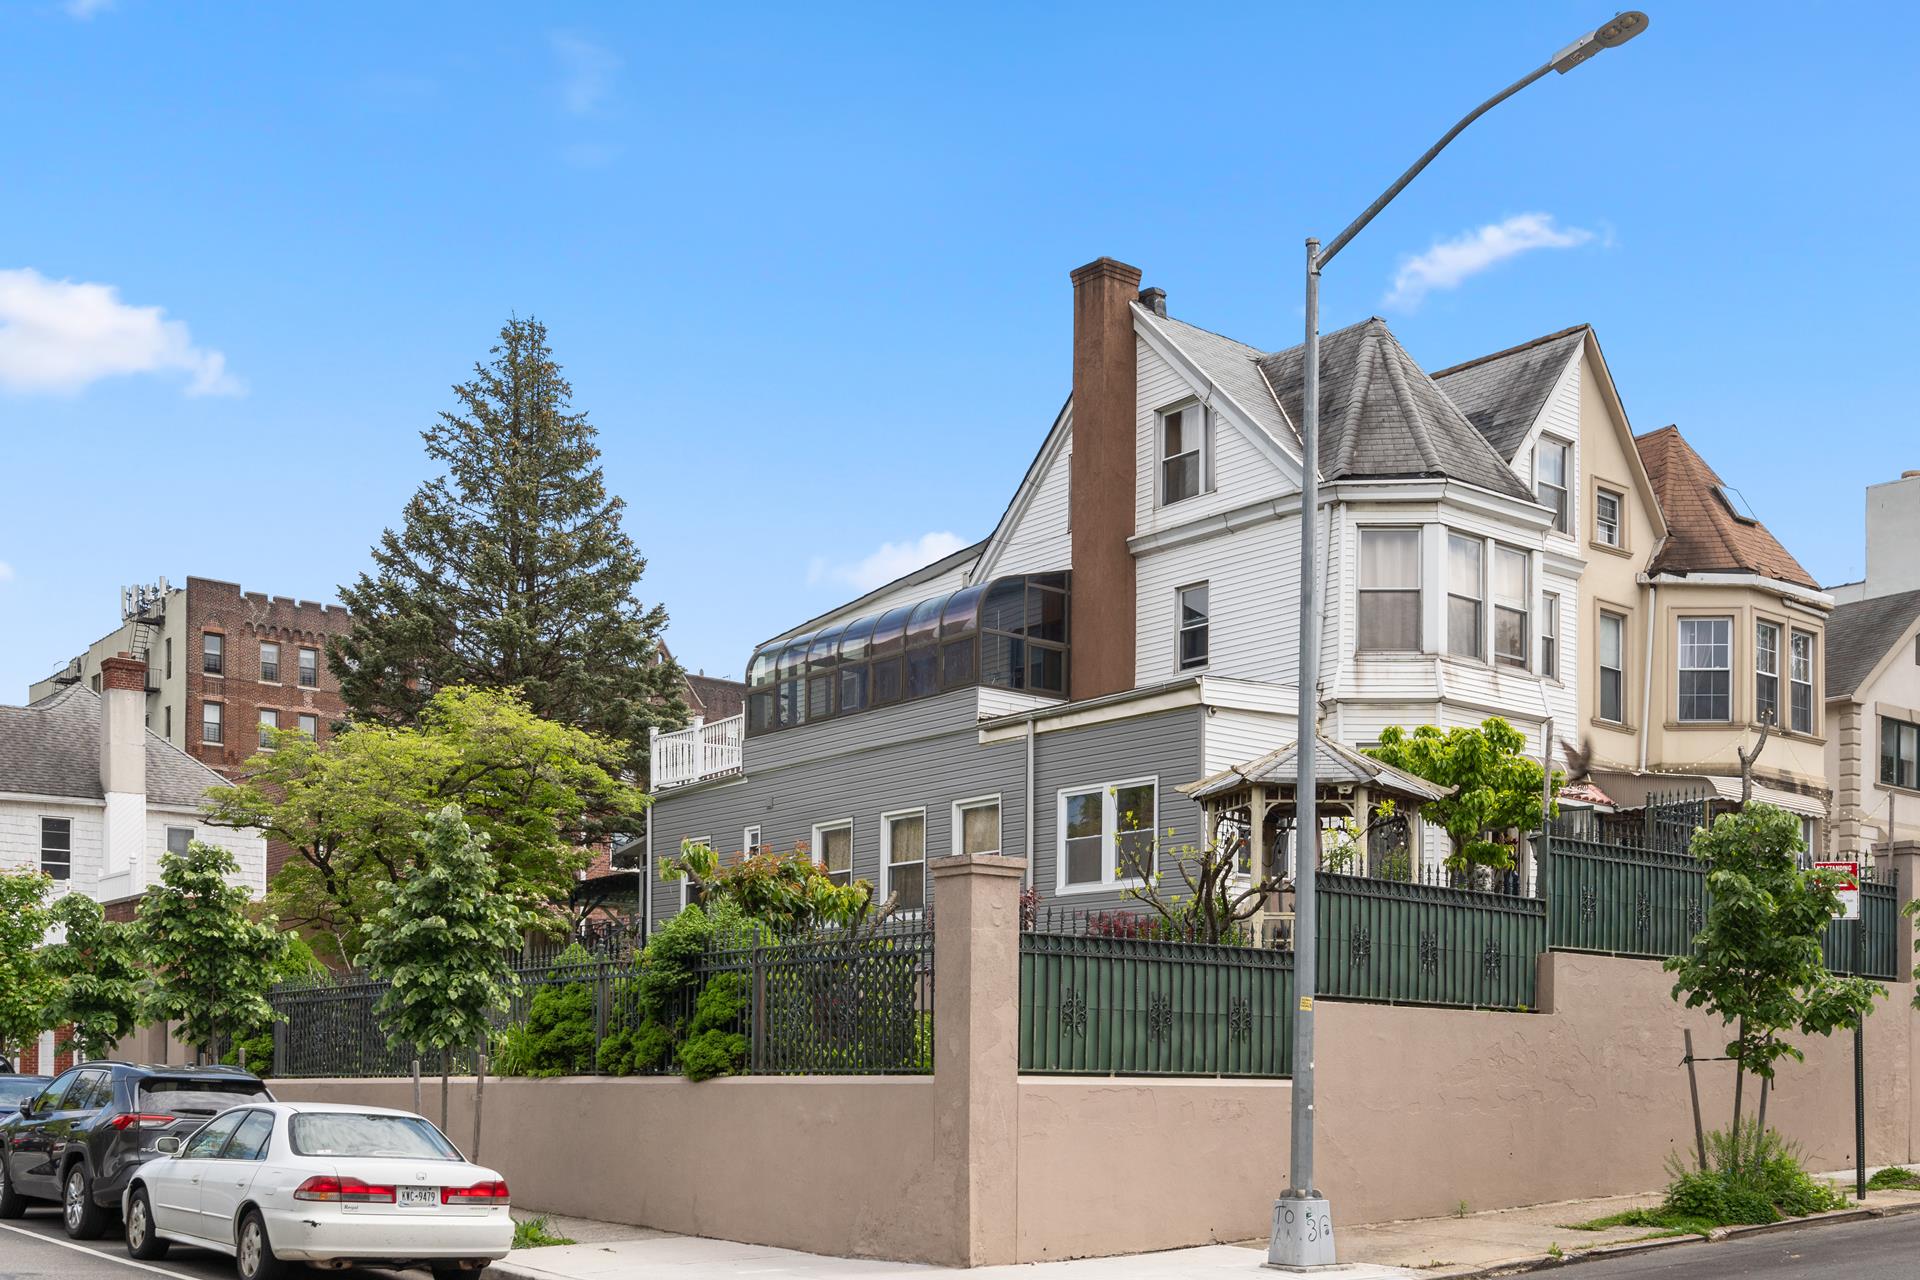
807	265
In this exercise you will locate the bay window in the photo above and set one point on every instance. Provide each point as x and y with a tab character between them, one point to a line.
1389	605
1511	606
1766	673
1706	670
1800	681
1464	596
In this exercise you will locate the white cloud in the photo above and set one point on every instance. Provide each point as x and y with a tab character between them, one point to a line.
58	335
1450	262
586	72
85	9
892	560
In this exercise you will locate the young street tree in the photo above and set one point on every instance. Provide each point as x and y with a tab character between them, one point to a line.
212	965
100	978
1757	964
352	807
443	937
25	985
511	569
1496	788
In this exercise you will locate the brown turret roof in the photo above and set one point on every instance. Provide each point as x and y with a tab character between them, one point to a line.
1705	532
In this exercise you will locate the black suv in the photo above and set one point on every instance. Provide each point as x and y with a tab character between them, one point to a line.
78	1139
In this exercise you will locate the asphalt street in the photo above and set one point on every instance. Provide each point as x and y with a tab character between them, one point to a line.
1887	1249
35	1248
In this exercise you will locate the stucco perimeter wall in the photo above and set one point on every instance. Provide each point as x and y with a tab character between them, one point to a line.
834	1165
1424	1108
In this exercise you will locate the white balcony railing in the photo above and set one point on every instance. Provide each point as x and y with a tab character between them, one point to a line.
700	750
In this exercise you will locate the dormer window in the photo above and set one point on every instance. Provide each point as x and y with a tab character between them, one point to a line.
1183	448
1550	468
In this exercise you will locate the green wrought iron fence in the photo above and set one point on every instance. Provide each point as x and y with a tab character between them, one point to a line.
1399	943
1133	1006
1625	900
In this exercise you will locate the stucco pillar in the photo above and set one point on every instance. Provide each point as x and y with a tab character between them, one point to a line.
976	1061
1901	860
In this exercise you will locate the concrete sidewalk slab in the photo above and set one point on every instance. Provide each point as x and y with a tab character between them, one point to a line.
692	1258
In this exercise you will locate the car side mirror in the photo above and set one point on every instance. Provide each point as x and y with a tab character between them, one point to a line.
168	1146
26	1108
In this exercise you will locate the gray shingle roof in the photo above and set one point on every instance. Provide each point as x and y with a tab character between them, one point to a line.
1334	765
1381	416
52	748
1859	635
1502	394
1235	369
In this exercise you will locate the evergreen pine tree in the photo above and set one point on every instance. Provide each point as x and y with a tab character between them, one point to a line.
511	568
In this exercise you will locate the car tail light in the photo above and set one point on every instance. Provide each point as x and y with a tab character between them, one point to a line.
478	1193
351	1190
135	1120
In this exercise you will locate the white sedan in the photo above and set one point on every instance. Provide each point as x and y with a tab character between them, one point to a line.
280	1182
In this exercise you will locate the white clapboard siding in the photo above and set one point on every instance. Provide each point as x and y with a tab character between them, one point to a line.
1233	737
1239	472
1253	579
1040	538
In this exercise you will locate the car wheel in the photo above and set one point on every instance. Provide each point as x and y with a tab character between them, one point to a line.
253	1253
142	1241
12	1203
83	1219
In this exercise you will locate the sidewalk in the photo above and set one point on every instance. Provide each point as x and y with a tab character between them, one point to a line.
1471	1245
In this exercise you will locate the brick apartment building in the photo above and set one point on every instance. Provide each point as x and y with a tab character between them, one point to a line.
222	664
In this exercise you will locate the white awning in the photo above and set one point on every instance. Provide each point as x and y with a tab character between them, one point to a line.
1791	801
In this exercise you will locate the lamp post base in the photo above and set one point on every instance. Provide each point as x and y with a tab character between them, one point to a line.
1302	1238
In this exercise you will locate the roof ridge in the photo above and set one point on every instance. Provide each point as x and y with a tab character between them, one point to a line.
1203	329
1416	414
1528	345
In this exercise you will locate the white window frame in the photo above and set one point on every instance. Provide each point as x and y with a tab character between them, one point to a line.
1794	636
750	841
264	677
1601	495
817	850
1563	512
218	653
1479	653
957	835
1761	672
1110	879
269	719
686	882
219	723
1600	667
1181	627
1732	667
1550	636
1203	482
1491	562
170	830
41	865
1417	590
300	668
886	857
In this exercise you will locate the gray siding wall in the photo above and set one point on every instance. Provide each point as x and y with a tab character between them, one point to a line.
925	755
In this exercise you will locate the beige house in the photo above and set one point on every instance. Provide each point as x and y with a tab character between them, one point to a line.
1691	624
1873	704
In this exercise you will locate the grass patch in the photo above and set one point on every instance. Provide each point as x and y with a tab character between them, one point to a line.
533	1234
1662	1222
1894	1178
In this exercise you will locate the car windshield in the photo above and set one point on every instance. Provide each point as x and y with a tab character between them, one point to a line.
197	1097
343	1133
15	1090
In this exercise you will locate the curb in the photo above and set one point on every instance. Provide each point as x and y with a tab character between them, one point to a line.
1544	1262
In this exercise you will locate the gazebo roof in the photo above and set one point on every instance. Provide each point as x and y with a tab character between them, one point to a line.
1334	765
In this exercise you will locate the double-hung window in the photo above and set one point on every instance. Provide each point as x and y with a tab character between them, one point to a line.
309	668
833	850
56	847
213	652
1899	753
1464	596
270	663
1511	607
903	858
180	840
976	825
1550	479
691	890
1193	626
1607	508
1766	673
1706	670
1183	440
310	725
1800	681
269	721
750	842
1389	607
1107	835
1550	636
212	723
1613	668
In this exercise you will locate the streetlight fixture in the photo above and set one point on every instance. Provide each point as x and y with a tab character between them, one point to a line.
1302	1236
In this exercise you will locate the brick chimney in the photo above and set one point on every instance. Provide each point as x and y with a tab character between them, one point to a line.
123	773
1105	387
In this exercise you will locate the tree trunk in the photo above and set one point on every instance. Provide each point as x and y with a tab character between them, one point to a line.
446	1070
1739	1089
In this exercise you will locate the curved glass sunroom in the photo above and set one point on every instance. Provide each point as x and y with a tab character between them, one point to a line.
1010	633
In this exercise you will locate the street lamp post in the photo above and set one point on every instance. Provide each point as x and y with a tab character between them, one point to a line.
1302	1236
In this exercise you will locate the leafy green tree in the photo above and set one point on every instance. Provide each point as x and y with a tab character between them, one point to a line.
25	985
212	964
1757	963
1495	786
511	569
443	938
787	891
100	976
352	807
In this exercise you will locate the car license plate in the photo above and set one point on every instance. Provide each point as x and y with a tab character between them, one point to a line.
419	1197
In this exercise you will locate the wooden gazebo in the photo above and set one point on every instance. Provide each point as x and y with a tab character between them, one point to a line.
1254	803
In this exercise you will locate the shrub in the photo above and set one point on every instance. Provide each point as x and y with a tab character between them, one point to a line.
635	1049
1755	1180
